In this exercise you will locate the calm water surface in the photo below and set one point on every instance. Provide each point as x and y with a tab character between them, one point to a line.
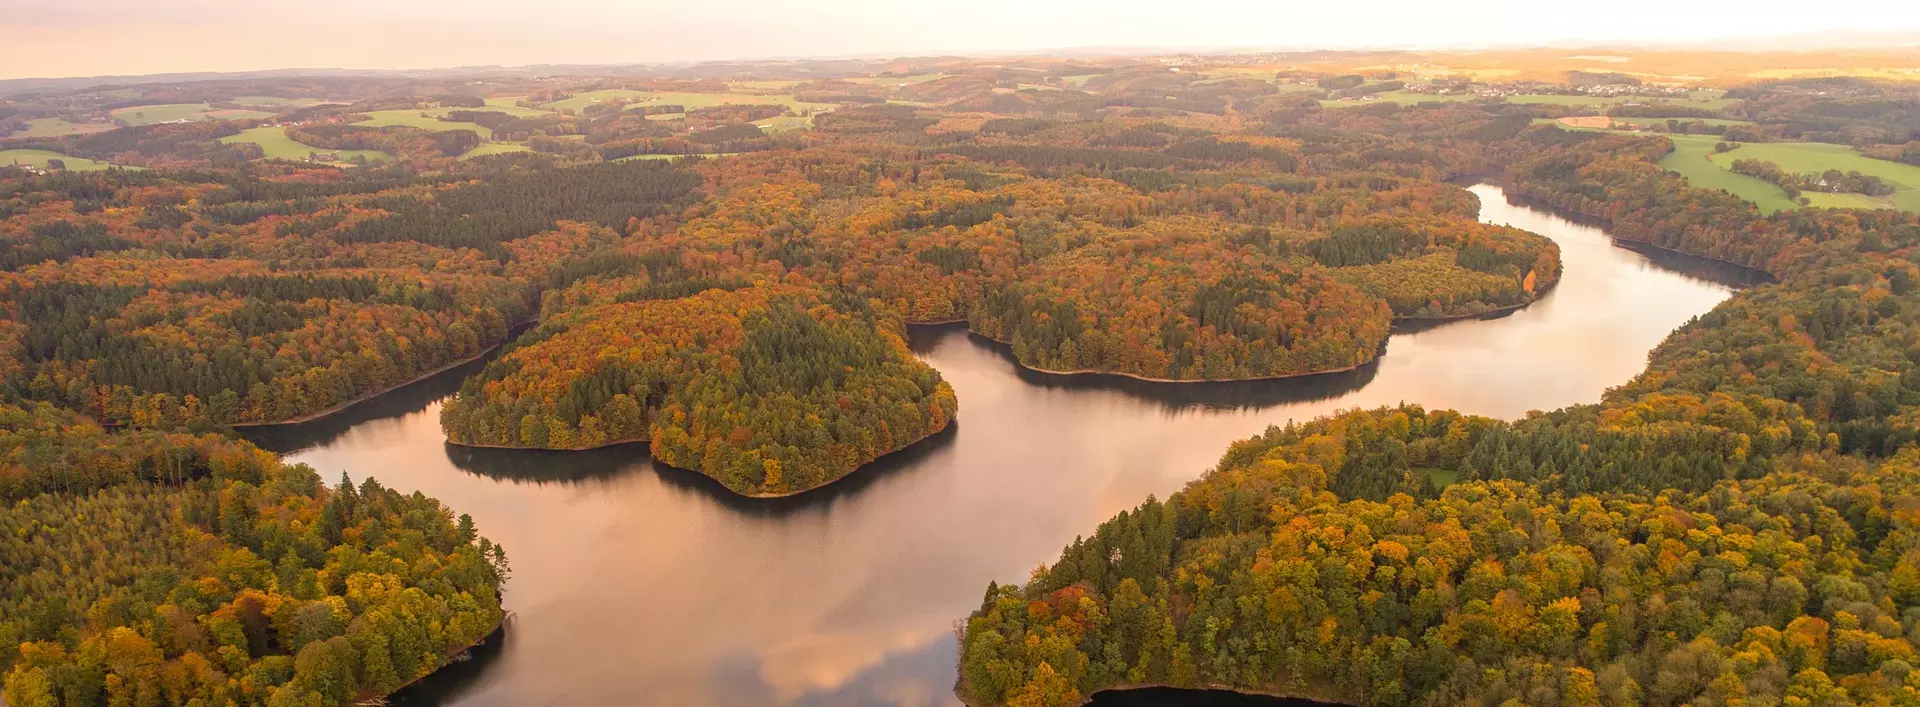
639	585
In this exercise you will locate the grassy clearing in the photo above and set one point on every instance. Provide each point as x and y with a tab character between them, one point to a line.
1693	158
784	123
273	140
494	148
1405	98
580	101
509	105
1663	121
1442	478
181	112
707	100
412	118
1710	100
56	127
276	101
766	86
674	157
898	80
38	159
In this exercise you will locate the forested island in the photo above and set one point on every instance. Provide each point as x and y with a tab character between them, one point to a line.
724	269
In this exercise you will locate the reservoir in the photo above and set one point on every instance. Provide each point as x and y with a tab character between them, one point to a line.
634	584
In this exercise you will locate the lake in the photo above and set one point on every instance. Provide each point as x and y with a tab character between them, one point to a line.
635	584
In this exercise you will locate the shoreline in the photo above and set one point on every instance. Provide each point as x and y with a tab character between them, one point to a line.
1208	687
1487	314
499	630
1392	323
1304	374
662	463
511	448
342	407
1607	225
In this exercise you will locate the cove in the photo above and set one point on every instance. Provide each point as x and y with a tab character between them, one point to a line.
635	584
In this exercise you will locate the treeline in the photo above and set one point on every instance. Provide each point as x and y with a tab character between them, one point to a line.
1832	181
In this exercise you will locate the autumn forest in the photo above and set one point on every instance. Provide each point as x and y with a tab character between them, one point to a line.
720	273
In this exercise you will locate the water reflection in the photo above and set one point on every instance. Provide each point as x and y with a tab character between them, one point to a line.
642	585
1211	394
1176	697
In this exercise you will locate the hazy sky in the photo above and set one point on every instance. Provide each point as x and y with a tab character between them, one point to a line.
89	37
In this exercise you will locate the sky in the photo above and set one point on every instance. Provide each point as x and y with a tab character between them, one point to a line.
57	38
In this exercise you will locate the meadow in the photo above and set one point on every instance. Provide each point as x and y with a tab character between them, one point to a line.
494	148
413	118
56	127
1693	157
1405	98
273	140
176	112
38	158
580	101
276	101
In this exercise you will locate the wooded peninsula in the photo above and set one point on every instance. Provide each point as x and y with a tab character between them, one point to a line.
725	270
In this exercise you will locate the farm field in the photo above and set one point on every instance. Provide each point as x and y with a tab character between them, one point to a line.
494	148
580	101
413	119
56	127
1693	158
38	158
898	80
276	101
176	112
509	105
784	123
274	141
1405	98
1663	121
673	157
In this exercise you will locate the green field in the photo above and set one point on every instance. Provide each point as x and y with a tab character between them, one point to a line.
580	101
1663	121
38	158
673	157
276	101
1404	98
413	119
1442	478
176	112
897	80
274	141
1693	158
494	148
783	123
1710	100
56	127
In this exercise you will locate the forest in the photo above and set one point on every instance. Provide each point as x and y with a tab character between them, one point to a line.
214	574
1724	529
771	389
723	269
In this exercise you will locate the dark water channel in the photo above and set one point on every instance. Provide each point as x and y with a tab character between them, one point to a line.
645	586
